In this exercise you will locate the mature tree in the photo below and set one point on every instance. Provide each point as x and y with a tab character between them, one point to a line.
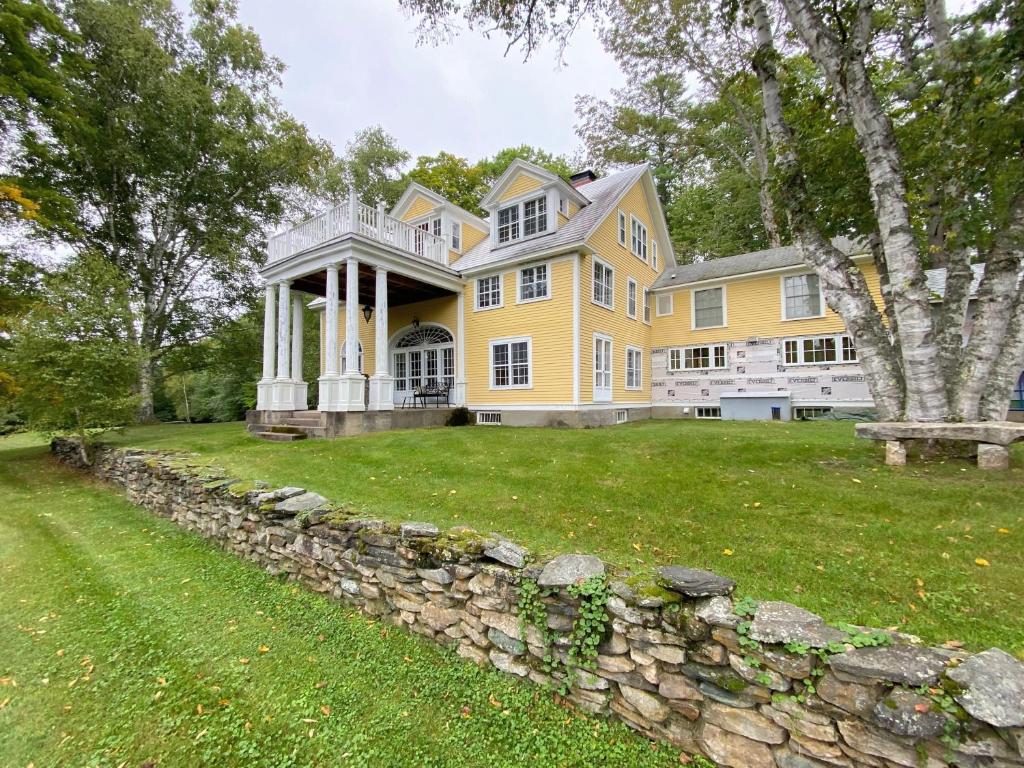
451	176
964	80
643	123
373	164
465	184
176	159
72	362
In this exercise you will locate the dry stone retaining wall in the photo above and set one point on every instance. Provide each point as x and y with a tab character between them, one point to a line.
765	685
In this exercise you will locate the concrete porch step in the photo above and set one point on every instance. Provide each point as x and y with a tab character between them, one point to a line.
304	422
281	437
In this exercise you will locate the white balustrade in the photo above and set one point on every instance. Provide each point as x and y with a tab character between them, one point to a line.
369	222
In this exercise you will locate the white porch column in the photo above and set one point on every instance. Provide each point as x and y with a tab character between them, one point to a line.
352	381
330	394
264	388
332	309
381	383
352	317
299	388
284	317
459	392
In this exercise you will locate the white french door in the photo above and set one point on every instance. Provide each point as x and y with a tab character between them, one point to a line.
602	369
423	357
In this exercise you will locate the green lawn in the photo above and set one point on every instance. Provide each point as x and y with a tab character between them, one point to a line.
122	640
802	512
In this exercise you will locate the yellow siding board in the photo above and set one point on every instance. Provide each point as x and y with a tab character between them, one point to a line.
624	330
520	185
548	323
420	206
753	309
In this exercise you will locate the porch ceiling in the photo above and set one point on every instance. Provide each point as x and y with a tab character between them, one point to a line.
401	289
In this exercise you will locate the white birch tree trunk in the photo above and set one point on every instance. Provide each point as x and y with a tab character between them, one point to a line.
846	72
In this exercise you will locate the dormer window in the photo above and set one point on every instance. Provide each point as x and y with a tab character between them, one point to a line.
456	236
533	214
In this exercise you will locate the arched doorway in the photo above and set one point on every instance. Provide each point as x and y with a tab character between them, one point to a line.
420	357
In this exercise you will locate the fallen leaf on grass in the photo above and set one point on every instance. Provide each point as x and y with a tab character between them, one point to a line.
727	552
982	562
264	648
325	710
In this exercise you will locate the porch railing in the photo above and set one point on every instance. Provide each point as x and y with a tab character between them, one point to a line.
354	216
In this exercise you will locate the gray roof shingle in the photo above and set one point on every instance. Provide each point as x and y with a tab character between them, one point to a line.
604	193
743	263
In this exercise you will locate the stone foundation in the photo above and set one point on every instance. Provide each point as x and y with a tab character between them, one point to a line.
750	685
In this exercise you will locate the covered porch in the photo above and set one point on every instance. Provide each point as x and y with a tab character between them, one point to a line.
374	266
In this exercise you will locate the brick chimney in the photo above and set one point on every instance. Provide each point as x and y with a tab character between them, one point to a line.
582	177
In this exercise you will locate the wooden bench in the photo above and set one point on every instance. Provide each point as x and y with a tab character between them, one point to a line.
992	437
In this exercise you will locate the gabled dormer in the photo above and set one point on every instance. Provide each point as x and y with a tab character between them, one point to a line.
423	208
528	201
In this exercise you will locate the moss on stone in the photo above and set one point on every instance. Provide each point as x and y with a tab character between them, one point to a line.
242	487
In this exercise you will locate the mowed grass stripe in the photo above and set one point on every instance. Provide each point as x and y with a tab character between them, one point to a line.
125	637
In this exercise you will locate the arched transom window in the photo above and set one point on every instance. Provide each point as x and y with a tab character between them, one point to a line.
424	356
424	336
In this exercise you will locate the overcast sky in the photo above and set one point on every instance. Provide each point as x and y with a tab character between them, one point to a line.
353	64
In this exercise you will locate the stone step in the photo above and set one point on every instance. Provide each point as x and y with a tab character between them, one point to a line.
281	437
306	414
303	422
286	429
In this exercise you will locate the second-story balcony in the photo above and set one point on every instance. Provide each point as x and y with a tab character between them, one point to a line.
354	217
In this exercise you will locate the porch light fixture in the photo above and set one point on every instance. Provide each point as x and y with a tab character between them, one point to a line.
367	312
415	322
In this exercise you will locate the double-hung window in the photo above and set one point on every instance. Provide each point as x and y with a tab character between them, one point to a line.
508	224
533	283
622	228
709	357
801	296
488	292
709	308
524	219
535	216
819	350
638	238
654	254
456	236
510	364
647	305
603	284
634	368
631	286
664	306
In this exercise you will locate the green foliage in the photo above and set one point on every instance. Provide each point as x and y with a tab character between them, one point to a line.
588	628
72	364
460	417
465	184
146	630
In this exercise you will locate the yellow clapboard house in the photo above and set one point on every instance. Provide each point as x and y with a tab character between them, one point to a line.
563	306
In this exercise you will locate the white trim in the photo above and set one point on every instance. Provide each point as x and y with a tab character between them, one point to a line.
593	300
461	213
542	175
621	229
576	329
501	292
565	250
646	308
563	406
657	304
711	357
460	349
451	236
640	371
693	309
782	297
608	360
632	283
792	268
510	340
519	282
654	254
838	337
519	203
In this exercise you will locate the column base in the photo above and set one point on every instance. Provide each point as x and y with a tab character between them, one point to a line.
382	393
992	456
458	394
281	395
895	453
342	392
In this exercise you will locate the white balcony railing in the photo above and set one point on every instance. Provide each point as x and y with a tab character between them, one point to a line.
353	216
